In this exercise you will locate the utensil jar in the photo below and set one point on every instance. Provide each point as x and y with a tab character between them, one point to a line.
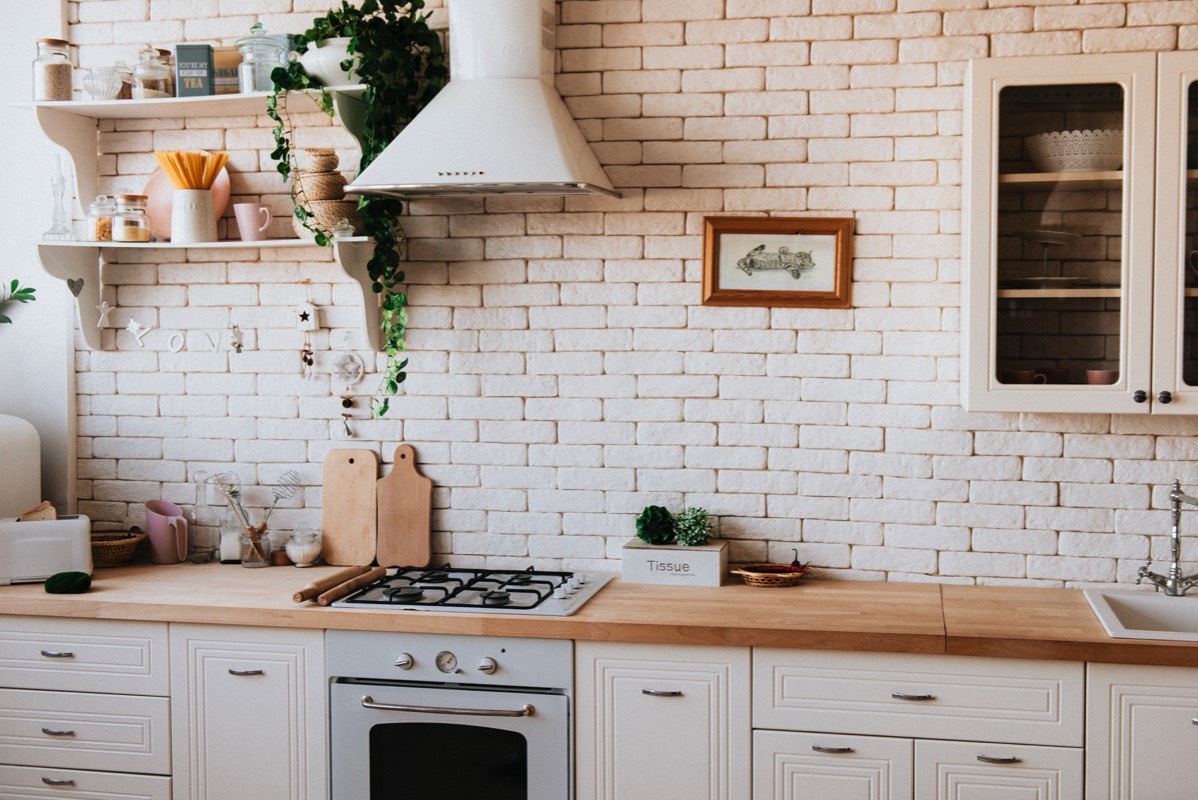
193	218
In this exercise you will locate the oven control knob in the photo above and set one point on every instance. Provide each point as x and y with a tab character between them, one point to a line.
488	666
562	592
405	661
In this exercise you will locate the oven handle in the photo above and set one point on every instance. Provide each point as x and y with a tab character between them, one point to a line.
527	711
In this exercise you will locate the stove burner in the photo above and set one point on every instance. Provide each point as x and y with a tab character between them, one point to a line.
520	579
403	594
495	598
434	576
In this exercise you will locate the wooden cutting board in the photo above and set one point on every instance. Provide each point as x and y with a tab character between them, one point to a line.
349	507
405	503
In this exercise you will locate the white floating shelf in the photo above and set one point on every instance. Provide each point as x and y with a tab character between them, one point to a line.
224	245
223	105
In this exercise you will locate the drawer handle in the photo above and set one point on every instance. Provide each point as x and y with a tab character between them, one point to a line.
819	748
919	698
661	693
52	732
53	654
241	673
58	781
998	760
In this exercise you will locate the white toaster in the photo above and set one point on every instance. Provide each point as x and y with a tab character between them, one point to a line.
34	550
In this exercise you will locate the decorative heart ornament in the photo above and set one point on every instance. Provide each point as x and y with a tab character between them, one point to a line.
75	285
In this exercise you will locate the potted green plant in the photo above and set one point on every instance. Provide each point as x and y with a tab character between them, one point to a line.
401	62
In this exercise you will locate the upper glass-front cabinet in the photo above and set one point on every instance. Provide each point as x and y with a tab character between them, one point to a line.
1074	293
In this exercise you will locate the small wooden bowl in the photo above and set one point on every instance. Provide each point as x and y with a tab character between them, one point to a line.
768	576
115	548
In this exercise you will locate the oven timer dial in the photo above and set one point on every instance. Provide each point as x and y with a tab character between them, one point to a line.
447	662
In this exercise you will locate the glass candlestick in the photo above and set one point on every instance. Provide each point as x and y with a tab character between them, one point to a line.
59	230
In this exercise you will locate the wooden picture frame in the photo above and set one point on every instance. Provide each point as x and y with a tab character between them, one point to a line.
798	262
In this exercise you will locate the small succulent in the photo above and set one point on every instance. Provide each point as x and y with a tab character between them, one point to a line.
655	525
692	526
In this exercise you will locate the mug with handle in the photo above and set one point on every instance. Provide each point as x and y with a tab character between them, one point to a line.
166	530
252	221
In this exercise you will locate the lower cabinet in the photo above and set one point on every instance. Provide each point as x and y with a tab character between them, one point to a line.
1141	732
248	713
661	721
1026	718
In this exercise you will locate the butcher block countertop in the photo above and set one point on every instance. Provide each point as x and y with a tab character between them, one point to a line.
1007	622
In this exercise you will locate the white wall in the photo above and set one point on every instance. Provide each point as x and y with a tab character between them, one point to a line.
36	351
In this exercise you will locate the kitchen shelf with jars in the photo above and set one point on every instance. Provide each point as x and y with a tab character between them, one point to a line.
73	125
1080	288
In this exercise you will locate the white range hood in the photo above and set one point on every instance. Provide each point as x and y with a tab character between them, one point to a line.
498	127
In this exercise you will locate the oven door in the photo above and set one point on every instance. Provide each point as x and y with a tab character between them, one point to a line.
419	742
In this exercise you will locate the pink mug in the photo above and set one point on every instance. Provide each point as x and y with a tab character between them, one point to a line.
166	529
252	221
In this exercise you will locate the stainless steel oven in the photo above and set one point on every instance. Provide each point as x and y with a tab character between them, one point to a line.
433	717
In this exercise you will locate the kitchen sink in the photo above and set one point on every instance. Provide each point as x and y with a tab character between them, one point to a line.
1145	615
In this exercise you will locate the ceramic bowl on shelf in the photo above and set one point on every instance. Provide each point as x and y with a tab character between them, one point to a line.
1076	151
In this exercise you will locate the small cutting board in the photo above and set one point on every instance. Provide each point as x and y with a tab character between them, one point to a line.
349	507
405	503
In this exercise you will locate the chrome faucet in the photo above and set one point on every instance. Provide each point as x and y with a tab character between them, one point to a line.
1174	584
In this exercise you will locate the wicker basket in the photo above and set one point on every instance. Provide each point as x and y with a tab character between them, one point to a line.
768	576
318	159
116	548
326	214
310	186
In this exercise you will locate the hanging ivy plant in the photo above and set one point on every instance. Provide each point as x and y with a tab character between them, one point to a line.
402	64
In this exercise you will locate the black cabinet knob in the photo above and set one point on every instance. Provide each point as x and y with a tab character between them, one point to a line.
1140	396
1165	397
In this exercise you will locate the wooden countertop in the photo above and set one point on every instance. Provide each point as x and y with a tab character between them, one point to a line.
1007	622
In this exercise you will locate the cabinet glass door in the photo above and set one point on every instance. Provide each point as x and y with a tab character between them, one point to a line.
1060	277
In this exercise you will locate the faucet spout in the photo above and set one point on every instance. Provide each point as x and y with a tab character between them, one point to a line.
1174	584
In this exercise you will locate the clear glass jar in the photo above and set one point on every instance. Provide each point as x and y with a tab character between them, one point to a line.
260	54
168	60
99	219
102	83
52	70
130	223
303	548
152	79
126	73
255	550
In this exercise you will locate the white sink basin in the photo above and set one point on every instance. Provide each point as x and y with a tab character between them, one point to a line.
1145	615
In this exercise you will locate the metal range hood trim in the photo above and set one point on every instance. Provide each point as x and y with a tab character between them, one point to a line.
498	127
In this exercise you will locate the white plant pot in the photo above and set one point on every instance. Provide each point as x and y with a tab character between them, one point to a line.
323	60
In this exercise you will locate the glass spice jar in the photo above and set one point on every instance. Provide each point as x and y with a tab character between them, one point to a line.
52	70
99	219
260	54
130	223
151	78
126	73
168	60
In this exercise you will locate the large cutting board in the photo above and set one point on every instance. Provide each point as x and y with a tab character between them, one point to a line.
405	503
349	507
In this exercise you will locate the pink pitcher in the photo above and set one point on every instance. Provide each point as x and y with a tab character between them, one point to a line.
166	528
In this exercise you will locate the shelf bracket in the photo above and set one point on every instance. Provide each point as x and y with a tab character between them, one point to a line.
79	268
77	135
352	257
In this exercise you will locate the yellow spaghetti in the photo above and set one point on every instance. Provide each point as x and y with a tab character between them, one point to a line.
191	169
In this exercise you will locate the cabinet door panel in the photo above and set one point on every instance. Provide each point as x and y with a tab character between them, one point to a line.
802	766
956	771
1140	734
662	721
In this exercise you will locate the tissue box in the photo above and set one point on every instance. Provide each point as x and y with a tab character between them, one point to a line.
703	565
34	550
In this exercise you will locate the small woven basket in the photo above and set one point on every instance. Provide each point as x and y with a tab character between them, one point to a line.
318	159
116	548
320	186
326	214
754	576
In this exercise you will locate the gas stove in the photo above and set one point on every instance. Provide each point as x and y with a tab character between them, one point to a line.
478	591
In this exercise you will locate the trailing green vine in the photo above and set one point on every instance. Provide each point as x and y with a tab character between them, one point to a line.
402	64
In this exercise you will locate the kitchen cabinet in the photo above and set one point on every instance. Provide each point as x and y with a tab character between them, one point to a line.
84	709
1080	287
938	727
73	126
1141	732
661	721
248	713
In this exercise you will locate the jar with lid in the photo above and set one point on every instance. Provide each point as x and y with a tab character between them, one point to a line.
303	548
151	78
168	60
126	74
52	70
130	223
260	54
99	219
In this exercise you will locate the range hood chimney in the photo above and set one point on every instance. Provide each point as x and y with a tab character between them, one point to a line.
498	127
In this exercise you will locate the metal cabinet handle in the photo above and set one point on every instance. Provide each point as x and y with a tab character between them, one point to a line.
821	749
1165	397
1194	720
997	760
526	711
52	732
55	654
661	693
241	673
58	781
919	698
1140	396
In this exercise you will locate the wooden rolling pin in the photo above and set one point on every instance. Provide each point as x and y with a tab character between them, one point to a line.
337	592
324	584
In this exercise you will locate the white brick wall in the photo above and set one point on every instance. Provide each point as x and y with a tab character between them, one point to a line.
563	375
